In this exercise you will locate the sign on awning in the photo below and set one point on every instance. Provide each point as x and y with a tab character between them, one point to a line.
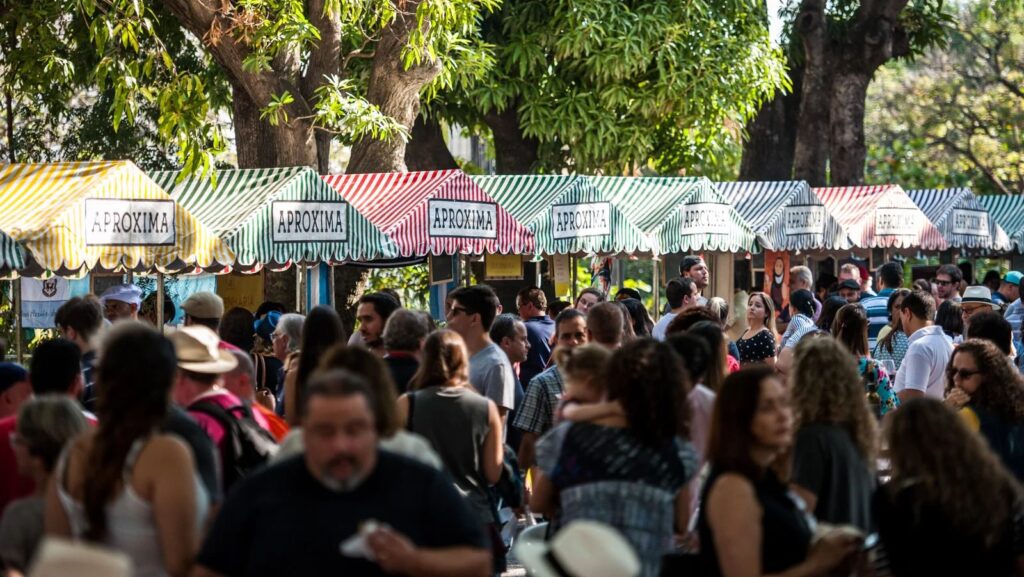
581	220
117	222
456	218
306	221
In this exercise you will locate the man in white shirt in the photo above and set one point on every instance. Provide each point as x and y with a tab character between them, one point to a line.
923	370
681	294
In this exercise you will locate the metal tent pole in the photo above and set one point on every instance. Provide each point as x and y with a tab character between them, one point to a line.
330	285
572	274
16	302
657	288
299	301
160	301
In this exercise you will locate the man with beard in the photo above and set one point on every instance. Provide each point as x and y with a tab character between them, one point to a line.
344	507
372	314
694	267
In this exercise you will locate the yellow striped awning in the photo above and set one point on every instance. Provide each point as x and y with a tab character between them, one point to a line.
107	215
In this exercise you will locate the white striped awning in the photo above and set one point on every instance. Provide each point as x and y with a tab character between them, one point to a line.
107	215
434	212
786	215
679	214
276	217
1008	211
881	216
963	221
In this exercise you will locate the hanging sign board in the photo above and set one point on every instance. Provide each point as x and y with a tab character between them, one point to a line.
443	270
117	222
503	267
581	220
897	221
309	221
706	218
241	290
970	222
456	218
40	299
804	219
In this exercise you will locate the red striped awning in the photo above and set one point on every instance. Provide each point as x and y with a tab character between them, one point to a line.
881	216
434	212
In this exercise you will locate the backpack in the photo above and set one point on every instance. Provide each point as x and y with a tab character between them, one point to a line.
246	445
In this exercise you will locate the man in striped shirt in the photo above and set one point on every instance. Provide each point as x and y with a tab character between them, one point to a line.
890	278
1015	310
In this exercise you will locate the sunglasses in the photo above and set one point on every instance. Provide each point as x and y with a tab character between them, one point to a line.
457	311
943	282
963	373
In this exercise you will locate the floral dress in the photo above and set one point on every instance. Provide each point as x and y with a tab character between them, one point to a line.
878	387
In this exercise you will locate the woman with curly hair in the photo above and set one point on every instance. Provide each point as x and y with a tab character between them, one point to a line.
982	380
950	507
628	470
836	435
850	327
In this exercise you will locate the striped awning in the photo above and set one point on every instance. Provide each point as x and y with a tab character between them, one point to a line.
107	215
12	256
679	214
963	221
881	216
278	216
1008	211
567	214
434	212
786	215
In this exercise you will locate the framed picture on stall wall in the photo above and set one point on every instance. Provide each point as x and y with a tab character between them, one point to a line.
776	281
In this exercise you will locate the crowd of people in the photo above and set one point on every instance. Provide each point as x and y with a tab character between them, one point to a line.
853	433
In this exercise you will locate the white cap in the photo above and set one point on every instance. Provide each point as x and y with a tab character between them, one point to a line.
126	293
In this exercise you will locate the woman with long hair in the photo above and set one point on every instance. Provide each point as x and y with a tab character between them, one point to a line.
829	308
749	525
757	344
320	331
983	381
949	316
626	469
950	507
892	341
638	317
463	426
718	351
850	327
124	484
836	434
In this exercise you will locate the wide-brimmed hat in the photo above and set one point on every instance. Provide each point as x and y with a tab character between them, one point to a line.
580	549
198	350
980	295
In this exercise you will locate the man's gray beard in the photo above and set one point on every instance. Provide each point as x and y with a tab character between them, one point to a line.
336	486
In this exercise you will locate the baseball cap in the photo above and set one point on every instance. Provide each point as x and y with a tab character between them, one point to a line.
198	350
850	284
203	305
1013	277
11	374
265	327
125	293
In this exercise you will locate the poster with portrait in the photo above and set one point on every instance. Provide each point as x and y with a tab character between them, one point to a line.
776	281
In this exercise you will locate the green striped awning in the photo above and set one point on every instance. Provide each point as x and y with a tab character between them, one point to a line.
12	256
278	216
566	213
1008	212
679	214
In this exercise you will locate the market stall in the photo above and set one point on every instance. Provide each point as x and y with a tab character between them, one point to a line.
881	216
964	222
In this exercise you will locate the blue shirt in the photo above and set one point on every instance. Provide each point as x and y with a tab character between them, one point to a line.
539	331
1013	315
877	310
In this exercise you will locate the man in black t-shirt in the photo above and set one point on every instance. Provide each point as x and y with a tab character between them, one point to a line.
300	516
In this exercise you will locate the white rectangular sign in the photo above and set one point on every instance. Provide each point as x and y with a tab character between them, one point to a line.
580	220
706	218
970	222
447	218
895	221
309	221
804	219
129	222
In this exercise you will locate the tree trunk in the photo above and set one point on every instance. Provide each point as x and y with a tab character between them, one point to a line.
427	149
769	150
396	91
514	153
254	142
848	150
811	151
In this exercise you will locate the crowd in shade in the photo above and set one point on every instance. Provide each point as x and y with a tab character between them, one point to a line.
840	432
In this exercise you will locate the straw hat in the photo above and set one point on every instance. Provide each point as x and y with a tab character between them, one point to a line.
979	295
580	549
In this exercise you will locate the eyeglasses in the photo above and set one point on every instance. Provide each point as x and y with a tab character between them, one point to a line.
943	282
457	310
963	373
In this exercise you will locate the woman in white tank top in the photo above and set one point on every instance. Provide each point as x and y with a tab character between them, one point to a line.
123	484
